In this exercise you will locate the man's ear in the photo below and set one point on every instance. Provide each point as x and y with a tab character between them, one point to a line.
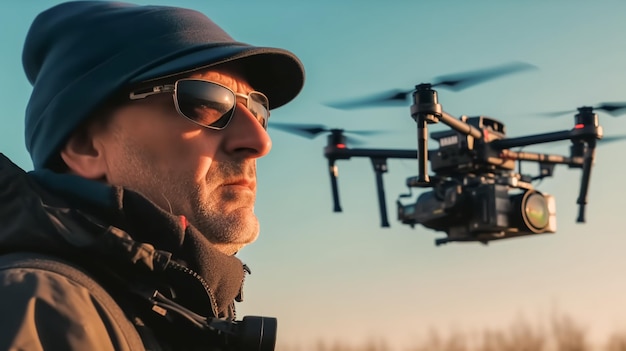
84	155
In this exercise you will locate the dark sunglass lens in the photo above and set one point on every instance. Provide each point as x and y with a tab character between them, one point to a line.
259	106
205	103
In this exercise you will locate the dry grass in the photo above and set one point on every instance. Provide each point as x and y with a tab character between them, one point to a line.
561	334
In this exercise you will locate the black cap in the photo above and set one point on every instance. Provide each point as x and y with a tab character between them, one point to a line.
78	54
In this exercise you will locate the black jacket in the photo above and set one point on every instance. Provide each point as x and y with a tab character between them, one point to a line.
164	274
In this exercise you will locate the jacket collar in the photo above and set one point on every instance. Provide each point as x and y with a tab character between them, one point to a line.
138	222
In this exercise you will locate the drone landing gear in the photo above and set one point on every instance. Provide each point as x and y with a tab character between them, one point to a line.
380	167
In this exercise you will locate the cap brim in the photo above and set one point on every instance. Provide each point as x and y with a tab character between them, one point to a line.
277	73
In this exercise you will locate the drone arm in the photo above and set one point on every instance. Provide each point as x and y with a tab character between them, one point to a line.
582	131
460	126
347	153
532	139
543	158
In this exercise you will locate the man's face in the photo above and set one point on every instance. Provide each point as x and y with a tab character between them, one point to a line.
207	175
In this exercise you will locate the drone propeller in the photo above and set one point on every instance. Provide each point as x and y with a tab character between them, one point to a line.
611	138
310	131
454	82
612	108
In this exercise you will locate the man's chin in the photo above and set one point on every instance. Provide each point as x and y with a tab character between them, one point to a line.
233	231
235	244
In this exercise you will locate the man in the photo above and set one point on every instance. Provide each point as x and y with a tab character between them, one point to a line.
144	127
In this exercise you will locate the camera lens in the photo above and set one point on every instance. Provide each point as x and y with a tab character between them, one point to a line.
535	211
531	212
257	333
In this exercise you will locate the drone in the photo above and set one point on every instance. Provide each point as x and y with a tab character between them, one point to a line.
477	193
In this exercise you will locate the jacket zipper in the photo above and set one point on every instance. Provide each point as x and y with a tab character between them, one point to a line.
180	268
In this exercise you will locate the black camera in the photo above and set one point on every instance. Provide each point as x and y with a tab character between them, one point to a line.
252	333
481	212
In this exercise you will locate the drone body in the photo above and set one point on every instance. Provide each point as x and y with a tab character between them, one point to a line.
476	193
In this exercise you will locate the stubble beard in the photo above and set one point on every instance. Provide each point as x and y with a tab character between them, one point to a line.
231	229
179	194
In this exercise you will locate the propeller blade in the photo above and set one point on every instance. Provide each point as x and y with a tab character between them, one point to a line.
612	108
364	132
312	130
350	140
453	82
305	130
460	81
389	98
612	139
557	113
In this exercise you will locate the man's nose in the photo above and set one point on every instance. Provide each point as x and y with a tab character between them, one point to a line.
246	134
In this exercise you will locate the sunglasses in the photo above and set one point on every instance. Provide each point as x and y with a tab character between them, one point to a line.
209	104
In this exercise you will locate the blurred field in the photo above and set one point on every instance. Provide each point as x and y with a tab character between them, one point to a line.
560	333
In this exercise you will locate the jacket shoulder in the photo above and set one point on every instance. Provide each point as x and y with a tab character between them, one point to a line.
51	304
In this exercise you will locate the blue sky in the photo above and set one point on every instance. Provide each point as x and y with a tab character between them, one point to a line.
339	276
